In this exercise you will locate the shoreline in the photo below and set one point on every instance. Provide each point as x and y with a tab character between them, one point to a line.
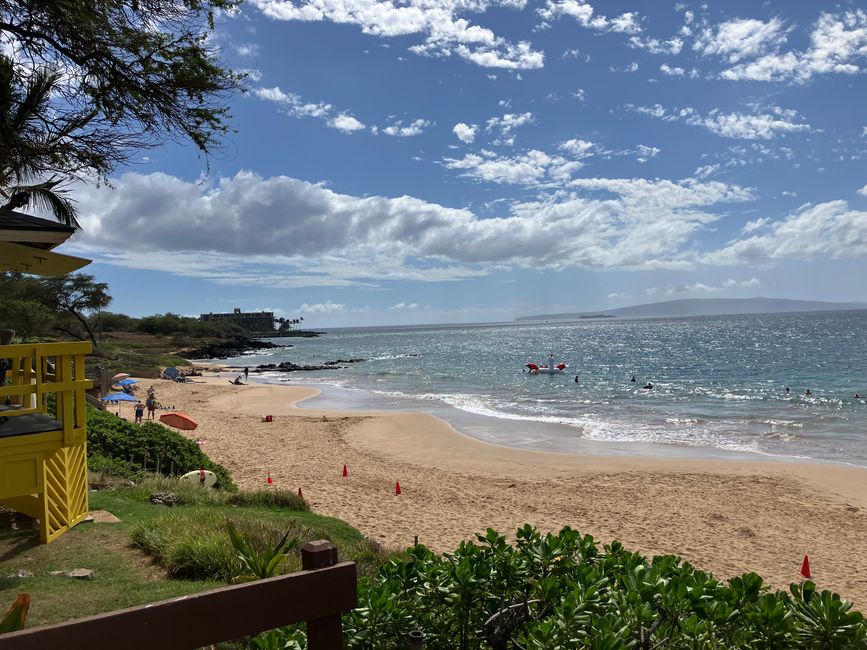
725	516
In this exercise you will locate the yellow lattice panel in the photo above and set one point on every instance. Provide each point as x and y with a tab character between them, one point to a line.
65	495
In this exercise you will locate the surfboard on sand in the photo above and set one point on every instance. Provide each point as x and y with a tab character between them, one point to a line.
202	477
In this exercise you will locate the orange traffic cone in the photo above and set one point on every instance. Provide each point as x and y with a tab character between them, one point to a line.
270	480
345	473
300	494
397	488
805	568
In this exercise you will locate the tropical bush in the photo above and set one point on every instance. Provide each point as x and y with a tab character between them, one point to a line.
563	591
119	447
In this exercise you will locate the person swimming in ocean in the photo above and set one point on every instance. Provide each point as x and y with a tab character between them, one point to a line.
648	386
857	396
787	390
576	381
809	392
633	379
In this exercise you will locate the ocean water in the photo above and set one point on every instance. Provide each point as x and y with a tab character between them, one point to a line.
718	382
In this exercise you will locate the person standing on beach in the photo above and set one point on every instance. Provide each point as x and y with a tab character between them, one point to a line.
152	406
139	411
246	373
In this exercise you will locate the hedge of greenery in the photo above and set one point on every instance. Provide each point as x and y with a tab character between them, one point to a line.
118	447
563	591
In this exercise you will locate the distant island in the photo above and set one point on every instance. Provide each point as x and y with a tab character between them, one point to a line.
706	307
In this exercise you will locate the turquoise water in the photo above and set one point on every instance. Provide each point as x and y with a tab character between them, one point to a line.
718	382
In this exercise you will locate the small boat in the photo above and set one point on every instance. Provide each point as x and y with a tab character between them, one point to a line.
546	370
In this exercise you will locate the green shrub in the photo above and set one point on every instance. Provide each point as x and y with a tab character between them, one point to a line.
112	443
562	591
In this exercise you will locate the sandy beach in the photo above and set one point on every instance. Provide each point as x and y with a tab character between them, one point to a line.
726	517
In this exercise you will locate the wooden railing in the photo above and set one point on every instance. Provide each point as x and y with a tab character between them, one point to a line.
43	456
42	369
317	595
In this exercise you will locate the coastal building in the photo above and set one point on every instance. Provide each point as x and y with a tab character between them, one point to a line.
253	321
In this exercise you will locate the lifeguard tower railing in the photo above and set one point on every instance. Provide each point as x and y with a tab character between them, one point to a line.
43	451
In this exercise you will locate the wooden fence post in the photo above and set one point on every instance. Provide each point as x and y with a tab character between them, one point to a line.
322	633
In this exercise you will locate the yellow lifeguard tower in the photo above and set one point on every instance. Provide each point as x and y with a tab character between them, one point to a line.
43	453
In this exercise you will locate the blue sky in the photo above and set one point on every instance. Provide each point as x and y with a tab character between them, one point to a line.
450	161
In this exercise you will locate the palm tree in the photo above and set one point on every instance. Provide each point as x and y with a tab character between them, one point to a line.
29	139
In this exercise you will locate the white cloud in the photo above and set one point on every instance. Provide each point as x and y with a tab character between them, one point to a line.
346	123
525	169
405	305
580	95
582	11
740	38
828	229
671	72
283	232
645	153
292	105
863	191
655	46
577	148
465	132
508	123
706	171
446	32
752	226
326	307
837	42
745	126
413	128
247	49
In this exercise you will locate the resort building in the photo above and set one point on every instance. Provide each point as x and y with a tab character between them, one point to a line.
253	321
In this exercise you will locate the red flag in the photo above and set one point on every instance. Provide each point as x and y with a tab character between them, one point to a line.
805	568
345	473
397	488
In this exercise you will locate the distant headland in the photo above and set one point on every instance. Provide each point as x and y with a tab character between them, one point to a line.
706	307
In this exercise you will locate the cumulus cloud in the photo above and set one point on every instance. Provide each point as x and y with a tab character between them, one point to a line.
346	123
284	232
645	153
465	132
415	127
838	42
739	38
292	105
863	191
577	148
508	123
828	229
746	126
525	169
655	46
671	71
446	32
326	307
583	12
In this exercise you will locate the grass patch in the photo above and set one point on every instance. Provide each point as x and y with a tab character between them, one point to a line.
180	543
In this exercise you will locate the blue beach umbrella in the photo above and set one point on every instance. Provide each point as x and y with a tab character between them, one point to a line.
118	397
127	382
